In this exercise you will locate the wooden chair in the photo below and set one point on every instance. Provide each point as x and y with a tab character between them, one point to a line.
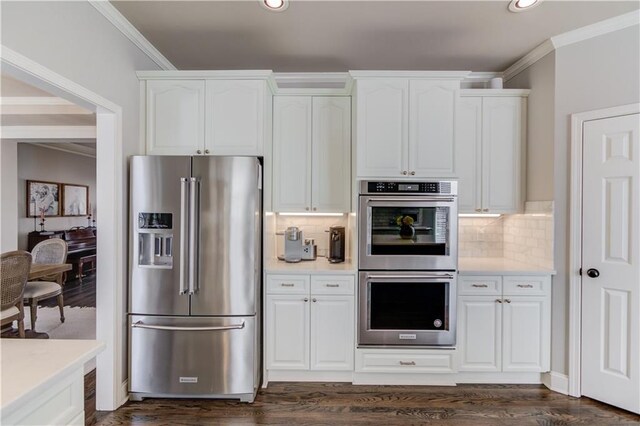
14	272
51	251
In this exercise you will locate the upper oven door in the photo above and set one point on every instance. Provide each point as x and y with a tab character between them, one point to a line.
408	233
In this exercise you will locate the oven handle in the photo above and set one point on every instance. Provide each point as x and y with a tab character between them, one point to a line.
411	199
410	277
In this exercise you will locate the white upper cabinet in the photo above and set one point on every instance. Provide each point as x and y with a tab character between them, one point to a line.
235	117
291	153
406	127
175	117
432	114
490	152
312	154
206	113
382	110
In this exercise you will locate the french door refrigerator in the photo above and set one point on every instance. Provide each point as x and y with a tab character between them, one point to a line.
195	274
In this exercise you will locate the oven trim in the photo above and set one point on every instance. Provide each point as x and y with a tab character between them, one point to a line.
424	338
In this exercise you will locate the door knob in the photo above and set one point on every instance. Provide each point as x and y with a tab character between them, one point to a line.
593	273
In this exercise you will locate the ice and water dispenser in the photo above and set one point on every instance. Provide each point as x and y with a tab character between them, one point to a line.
155	240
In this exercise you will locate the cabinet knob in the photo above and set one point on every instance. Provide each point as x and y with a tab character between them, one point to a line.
306	208
206	151
413	173
315	208
478	210
498	300
314	300
485	210
198	152
306	299
404	172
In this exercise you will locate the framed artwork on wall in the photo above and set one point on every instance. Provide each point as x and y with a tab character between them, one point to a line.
75	200
43	198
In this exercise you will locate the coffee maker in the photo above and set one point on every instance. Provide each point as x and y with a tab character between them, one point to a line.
336	244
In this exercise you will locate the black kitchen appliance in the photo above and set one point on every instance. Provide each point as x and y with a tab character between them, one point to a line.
336	244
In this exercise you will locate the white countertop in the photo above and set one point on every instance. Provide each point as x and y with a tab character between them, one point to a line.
29	365
319	266
499	266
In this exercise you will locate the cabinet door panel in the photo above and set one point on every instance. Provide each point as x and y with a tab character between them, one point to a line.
432	111
235	117
526	334
502	128
175	117
287	332
332	333
468	154
479	333
292	154
331	154
381	127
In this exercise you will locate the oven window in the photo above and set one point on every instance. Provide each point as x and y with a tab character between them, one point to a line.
408	306
410	231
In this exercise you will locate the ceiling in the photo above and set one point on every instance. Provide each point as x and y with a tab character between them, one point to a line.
335	36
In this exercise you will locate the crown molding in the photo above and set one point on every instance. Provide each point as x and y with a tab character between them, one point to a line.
440	75
570	37
495	93
69	148
121	23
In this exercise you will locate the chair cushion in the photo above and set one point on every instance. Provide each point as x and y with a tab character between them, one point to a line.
9	312
41	289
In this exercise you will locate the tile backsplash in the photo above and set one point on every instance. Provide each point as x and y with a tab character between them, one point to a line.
524	237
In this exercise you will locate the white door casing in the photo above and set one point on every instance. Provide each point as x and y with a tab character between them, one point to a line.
610	353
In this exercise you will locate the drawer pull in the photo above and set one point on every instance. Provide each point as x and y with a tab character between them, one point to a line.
525	285
407	363
507	300
479	285
498	300
287	285
333	285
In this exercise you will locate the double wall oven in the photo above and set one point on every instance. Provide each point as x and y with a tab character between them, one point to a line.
407	263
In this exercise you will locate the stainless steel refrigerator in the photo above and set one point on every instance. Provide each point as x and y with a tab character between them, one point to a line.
195	275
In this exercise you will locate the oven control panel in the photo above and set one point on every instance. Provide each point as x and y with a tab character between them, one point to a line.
386	187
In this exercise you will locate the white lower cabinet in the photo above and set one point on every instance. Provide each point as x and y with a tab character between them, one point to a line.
310	322
504	323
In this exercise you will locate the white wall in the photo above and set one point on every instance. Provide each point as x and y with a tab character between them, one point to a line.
598	73
8	192
37	163
74	40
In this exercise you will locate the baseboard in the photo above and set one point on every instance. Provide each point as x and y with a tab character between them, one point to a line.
308	376
556	382
520	378
124	392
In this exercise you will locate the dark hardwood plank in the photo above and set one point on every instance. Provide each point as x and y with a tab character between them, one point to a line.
346	404
90	398
76	293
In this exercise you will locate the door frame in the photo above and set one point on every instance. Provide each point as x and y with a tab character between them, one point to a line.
111	278
575	236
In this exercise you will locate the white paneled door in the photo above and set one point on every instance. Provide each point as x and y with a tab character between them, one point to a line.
611	262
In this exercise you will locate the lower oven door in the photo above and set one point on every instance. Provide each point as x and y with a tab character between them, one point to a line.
407	308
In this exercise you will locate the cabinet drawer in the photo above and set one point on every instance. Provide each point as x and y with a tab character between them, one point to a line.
287	284
480	285
438	361
332	284
527	285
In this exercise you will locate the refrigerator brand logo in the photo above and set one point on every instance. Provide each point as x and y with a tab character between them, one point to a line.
188	380
407	337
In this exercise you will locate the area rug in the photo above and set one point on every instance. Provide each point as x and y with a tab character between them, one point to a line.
80	323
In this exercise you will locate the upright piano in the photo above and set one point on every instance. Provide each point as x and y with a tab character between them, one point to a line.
81	246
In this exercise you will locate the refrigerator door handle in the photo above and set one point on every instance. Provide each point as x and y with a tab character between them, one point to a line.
140	324
194	231
184	234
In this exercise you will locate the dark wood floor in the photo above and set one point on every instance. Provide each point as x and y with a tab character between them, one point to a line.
75	293
345	404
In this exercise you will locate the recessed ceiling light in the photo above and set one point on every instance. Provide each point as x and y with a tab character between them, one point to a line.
522	5
275	5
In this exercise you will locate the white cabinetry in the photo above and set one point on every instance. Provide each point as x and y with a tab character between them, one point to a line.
504	323
490	150
175	117
310	322
405	127
312	154
207	113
